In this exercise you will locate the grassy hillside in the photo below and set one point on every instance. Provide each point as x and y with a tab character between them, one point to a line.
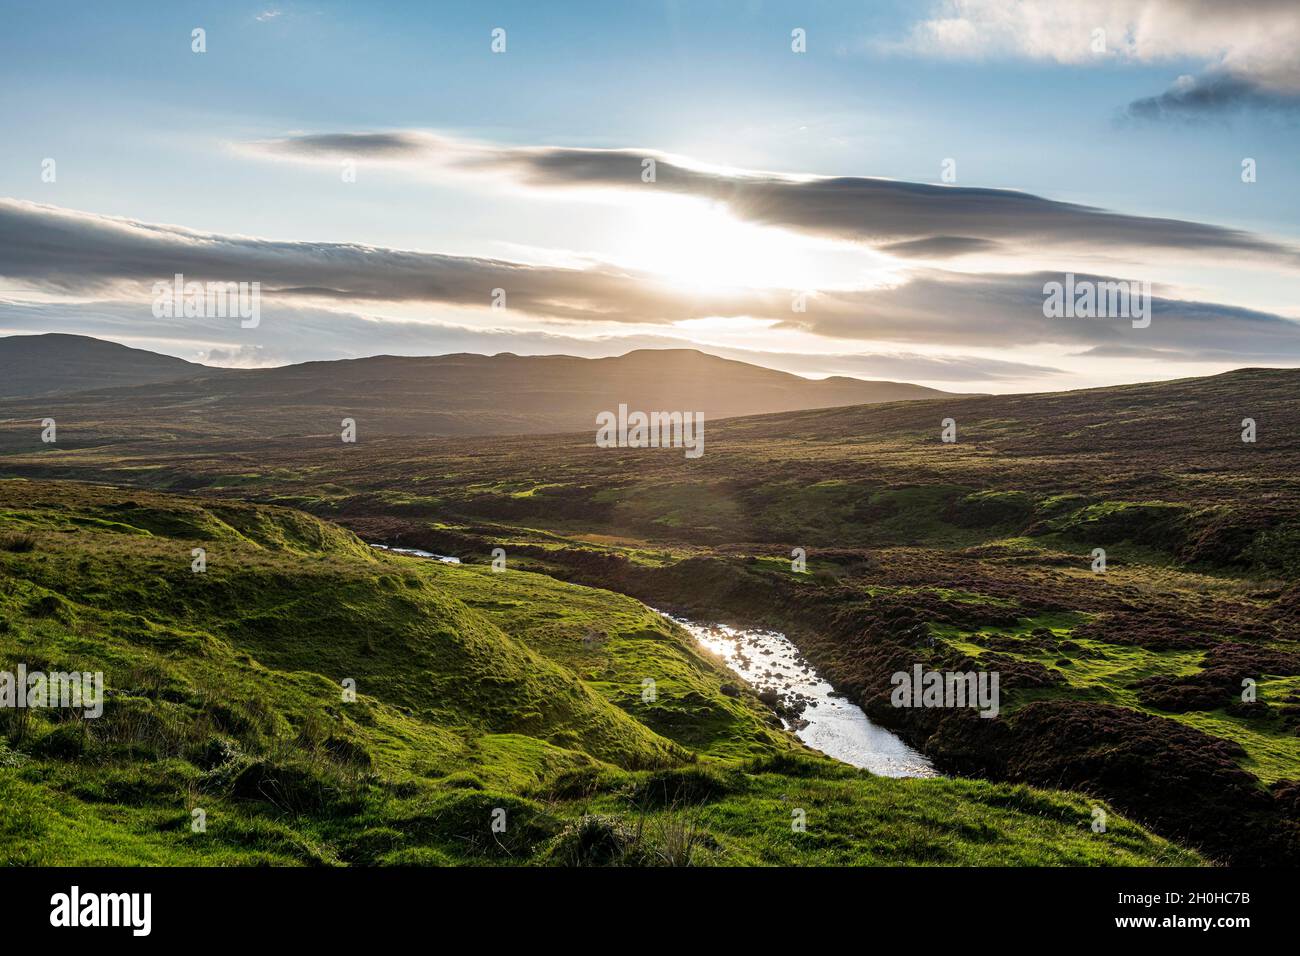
386	395
476	692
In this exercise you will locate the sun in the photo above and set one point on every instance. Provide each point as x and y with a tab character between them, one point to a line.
699	245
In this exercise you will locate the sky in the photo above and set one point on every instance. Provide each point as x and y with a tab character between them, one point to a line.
883	190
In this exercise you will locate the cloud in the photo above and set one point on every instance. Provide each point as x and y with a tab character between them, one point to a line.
962	310
334	145
1246	47
77	253
72	251
938	247
245	356
906	219
1213	93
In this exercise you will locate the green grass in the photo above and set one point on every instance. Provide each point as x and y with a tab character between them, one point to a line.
478	693
1102	672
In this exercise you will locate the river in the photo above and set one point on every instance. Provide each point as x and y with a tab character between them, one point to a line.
830	723
417	553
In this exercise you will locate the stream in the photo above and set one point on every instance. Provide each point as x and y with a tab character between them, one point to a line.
820	717
417	553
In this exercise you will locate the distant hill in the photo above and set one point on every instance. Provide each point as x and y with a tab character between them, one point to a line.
36	365
462	394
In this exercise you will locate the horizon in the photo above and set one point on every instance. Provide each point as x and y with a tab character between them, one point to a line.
767	203
711	354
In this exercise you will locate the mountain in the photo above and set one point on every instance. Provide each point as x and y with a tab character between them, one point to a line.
460	394
35	365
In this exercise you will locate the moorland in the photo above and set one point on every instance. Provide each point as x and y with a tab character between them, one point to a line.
477	690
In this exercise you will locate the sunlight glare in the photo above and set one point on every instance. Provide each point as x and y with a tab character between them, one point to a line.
698	245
